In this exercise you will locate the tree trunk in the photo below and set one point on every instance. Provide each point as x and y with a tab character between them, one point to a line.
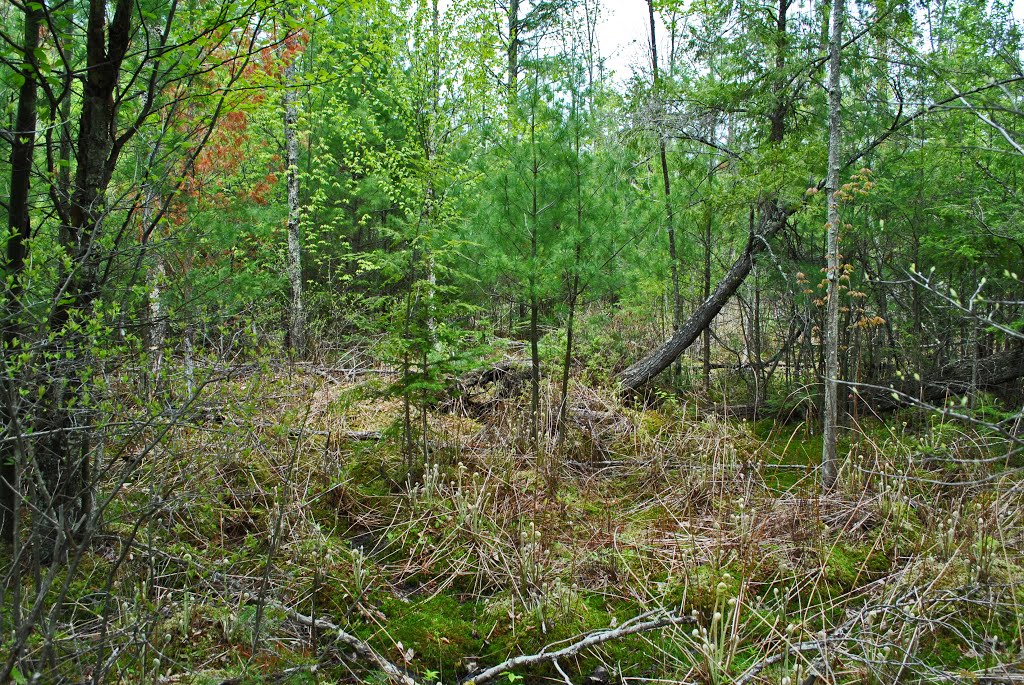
778	115
755	335
20	229
513	46
706	352
429	153
773	218
574	285
952	380
297	316
534	304
155	329
563	404
63	453
667	184
829	466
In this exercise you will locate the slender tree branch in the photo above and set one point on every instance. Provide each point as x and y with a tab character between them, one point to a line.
645	622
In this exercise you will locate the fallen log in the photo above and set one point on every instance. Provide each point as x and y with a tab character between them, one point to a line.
356	436
591	416
483	389
773	218
951	381
361	648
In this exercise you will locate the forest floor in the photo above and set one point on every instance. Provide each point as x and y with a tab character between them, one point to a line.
283	506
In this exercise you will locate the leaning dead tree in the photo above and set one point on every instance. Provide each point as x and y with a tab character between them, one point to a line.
773	218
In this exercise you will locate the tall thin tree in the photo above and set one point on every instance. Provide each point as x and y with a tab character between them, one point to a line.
296	314
829	468
677	312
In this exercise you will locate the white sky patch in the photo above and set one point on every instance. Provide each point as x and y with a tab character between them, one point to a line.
623	34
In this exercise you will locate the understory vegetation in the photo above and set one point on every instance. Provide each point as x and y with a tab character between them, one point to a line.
432	343
249	530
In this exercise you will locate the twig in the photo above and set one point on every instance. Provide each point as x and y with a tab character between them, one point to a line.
631	627
565	676
353	436
753	671
838	634
362	648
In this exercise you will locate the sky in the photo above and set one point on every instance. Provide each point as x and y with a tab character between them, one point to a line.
623	33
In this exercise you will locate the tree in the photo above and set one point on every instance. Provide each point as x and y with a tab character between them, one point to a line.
63	455
670	228
122	93
19	234
773	219
829	467
759	51
297	317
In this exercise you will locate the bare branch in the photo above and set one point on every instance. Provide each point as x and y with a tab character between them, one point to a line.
643	623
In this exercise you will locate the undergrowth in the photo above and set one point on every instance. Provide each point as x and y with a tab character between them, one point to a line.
260	508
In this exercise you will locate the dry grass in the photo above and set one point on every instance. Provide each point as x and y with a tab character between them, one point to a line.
489	549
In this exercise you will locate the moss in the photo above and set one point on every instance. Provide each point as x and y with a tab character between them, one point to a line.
618	537
944	650
844	565
702	587
440	630
789	447
256	676
654	422
561	614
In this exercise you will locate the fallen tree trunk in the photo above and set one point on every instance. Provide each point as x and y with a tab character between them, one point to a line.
952	380
773	218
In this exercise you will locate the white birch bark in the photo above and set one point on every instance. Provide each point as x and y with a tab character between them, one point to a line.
156	276
297	316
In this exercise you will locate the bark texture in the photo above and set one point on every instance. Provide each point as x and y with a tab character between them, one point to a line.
773	218
63	454
829	467
514	40
20	229
297	314
670	228
952	380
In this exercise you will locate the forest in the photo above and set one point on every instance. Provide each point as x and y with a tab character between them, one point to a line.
426	342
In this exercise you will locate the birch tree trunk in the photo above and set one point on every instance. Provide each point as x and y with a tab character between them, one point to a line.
155	330
829	467
430	152
297	315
